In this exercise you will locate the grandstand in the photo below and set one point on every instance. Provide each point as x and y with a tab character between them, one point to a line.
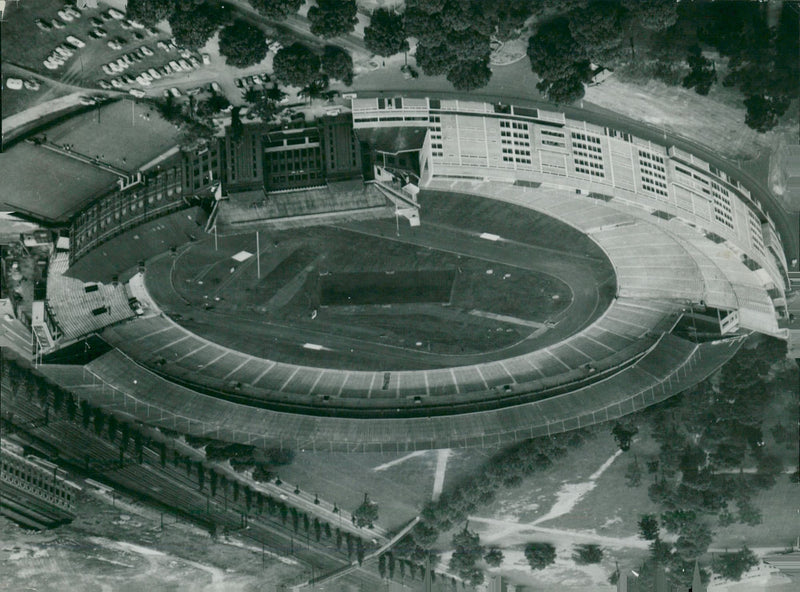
681	236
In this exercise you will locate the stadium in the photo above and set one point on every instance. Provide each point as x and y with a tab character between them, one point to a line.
418	273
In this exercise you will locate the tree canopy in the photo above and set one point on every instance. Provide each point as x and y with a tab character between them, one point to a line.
242	44
338	63
367	513
332	18
296	65
149	12
195	25
540	555
386	33
559	61
276	9
467	551
469	75
731	566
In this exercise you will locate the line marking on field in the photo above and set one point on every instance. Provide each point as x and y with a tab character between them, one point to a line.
441	468
214	361
427	386
590	338
316	347
156	332
478	368
191	353
236	369
263	372
171	344
507	319
313	386
455	381
397	461
296	370
507	371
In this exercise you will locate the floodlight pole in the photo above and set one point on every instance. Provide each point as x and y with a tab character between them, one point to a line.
258	256
215	237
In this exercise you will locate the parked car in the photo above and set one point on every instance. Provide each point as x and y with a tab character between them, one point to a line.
151	32
176	67
43	25
75	41
134	24
154	74
194	62
65	16
56	24
125	25
206	59
70	10
87	101
115	14
166	69
50	64
184	65
137	93
97	33
238	83
137	36
116	83
175	92
146	76
143	81
31	84
107	69
14	83
115	45
163	46
215	87
146	50
104	85
96	21
185	54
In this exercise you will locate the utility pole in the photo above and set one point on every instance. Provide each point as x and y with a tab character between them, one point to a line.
258	255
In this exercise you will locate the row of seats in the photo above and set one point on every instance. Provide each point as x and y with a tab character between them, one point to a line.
73	306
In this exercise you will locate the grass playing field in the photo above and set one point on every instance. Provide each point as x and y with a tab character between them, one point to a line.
368	288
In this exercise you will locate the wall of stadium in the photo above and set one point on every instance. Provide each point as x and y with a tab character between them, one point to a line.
503	143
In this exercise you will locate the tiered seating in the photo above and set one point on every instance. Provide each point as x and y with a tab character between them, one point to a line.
74	308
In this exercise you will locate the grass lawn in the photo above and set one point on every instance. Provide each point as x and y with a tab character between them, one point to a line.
294	270
399	490
535	496
123	133
612	508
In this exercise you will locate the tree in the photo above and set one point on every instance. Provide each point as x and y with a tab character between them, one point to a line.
648	527
559	61
296	65
99	420
390	564
125	435
540	555
332	18
276	9
349	541
382	566
71	408
338	63
494	557
656	15
112	426
149	12
703	73
467	551
586	554
731	566
435	60
360	550
295	519
242	44
693	540
338	539
201	475
763	112
599	29
633	473
86	410
623	433
317	529
367	513
469	75
768	467
193	25
306	524
386	33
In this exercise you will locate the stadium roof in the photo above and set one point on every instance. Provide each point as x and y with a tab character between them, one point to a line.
48	185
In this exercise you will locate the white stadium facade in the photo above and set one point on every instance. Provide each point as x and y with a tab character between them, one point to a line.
685	240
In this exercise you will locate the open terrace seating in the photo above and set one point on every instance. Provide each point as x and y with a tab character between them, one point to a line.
79	308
